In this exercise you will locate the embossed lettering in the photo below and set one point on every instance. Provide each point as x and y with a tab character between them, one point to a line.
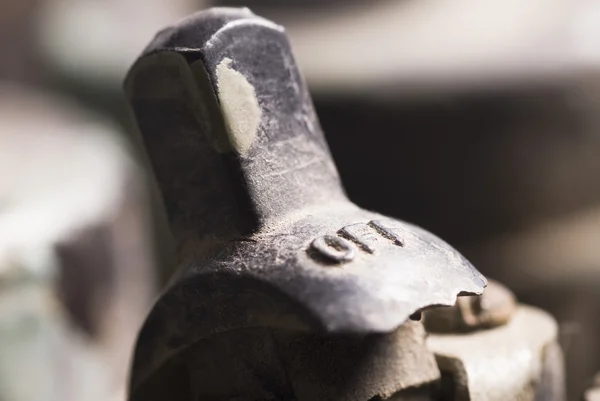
367	237
333	248
386	231
362	235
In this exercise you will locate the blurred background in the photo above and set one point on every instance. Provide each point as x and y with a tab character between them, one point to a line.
476	119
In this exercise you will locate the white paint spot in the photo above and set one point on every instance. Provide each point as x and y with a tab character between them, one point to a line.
240	107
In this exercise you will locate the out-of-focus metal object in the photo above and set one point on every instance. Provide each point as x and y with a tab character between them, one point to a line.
75	275
286	290
593	393
487	348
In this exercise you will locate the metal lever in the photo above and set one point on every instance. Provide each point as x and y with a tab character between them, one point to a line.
267	237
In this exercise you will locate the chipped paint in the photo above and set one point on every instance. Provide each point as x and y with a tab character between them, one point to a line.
239	105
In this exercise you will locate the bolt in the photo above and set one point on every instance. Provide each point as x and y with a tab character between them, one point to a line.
493	308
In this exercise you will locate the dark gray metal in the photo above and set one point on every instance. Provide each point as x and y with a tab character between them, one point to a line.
267	237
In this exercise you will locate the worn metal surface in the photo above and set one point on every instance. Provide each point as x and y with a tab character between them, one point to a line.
334	368
520	360
267	237
266	364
